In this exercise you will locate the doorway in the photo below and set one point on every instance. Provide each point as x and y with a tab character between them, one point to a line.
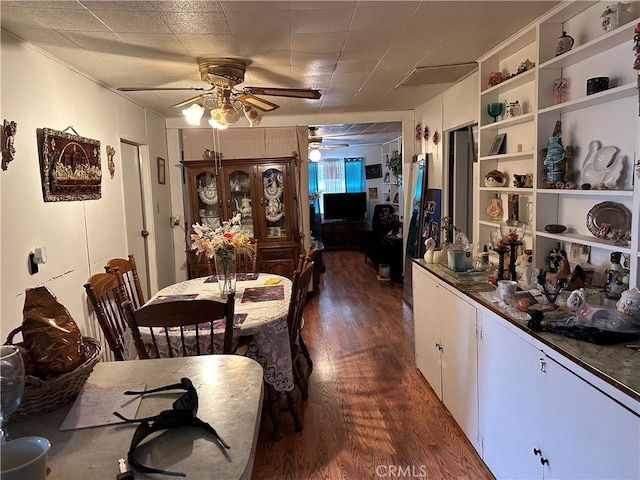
459	181
135	211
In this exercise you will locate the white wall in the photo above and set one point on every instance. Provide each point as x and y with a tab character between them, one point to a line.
38	91
455	107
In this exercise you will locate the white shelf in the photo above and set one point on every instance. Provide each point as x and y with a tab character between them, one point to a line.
508	122
507	156
524	191
610	95
511	83
586	240
594	47
589	193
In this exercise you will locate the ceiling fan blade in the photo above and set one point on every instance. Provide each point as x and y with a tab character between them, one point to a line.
333	146
158	89
190	100
257	102
284	92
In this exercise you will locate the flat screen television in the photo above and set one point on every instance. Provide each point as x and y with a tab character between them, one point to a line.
345	206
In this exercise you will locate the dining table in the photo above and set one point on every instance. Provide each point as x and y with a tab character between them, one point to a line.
230	394
261	309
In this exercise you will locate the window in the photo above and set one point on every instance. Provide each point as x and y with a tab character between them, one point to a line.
336	175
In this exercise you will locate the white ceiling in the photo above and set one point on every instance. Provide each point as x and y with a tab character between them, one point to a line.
356	53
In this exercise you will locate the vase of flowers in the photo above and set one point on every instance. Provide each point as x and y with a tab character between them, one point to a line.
222	244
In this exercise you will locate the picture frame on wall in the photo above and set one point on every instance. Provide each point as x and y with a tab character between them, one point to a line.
373	193
373	171
161	171
498	145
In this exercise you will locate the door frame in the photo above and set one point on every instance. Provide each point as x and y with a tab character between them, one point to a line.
146	204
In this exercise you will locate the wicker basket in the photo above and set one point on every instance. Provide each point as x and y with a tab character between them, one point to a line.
42	396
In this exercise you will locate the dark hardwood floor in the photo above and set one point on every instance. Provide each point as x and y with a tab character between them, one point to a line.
370	413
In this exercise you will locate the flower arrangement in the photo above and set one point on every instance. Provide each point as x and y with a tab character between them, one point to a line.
228	238
223	244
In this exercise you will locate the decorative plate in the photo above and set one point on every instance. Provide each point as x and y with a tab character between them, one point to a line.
613	214
208	194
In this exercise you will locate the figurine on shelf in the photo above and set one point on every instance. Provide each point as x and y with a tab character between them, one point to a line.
553	260
524	66
615	15
495	78
554	160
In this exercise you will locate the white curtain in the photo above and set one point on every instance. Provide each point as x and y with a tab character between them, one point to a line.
331	175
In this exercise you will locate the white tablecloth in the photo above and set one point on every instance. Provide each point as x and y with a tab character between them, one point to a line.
266	321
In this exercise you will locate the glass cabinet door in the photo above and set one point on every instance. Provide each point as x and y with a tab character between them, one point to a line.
240	201
275	206
208	200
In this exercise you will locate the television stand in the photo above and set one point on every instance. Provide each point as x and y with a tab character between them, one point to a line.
342	234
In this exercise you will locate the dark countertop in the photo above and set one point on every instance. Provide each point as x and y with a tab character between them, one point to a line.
615	364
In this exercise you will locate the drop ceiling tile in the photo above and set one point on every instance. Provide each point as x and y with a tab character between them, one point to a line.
186	5
354	66
252	7
253	45
265	23
97	41
327	60
429	13
318	42
42	37
53	18
200	23
133	22
35	4
218	45
140	6
319	21
382	15
164	42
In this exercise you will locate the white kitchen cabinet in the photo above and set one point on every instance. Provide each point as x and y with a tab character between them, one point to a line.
426	328
587	434
509	400
538	419
445	339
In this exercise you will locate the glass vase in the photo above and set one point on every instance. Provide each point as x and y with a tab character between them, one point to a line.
225	261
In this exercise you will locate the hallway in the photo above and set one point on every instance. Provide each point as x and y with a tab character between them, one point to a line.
370	413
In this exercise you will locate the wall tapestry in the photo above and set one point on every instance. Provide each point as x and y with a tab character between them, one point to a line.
70	166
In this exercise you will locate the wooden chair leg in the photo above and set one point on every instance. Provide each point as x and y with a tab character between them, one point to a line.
305	352
300	379
274	410
293	409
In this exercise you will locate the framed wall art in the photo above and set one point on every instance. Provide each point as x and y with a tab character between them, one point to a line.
70	166
373	171
161	171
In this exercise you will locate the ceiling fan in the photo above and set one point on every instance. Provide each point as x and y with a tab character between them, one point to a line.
315	141
223	99
315	144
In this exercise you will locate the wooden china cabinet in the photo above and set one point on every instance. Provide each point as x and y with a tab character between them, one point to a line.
263	191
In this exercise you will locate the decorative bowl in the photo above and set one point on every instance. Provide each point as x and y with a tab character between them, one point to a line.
555	228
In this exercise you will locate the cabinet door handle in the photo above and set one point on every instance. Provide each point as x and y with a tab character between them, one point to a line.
543	365
544	461
537	451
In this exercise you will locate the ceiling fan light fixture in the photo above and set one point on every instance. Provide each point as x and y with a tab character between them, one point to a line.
193	114
315	155
215	122
253	116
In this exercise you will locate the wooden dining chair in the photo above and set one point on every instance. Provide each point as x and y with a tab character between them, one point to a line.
299	288
308	256
129	278
106	296
247	262
181	328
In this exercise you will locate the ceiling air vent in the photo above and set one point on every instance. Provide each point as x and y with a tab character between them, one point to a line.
437	74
